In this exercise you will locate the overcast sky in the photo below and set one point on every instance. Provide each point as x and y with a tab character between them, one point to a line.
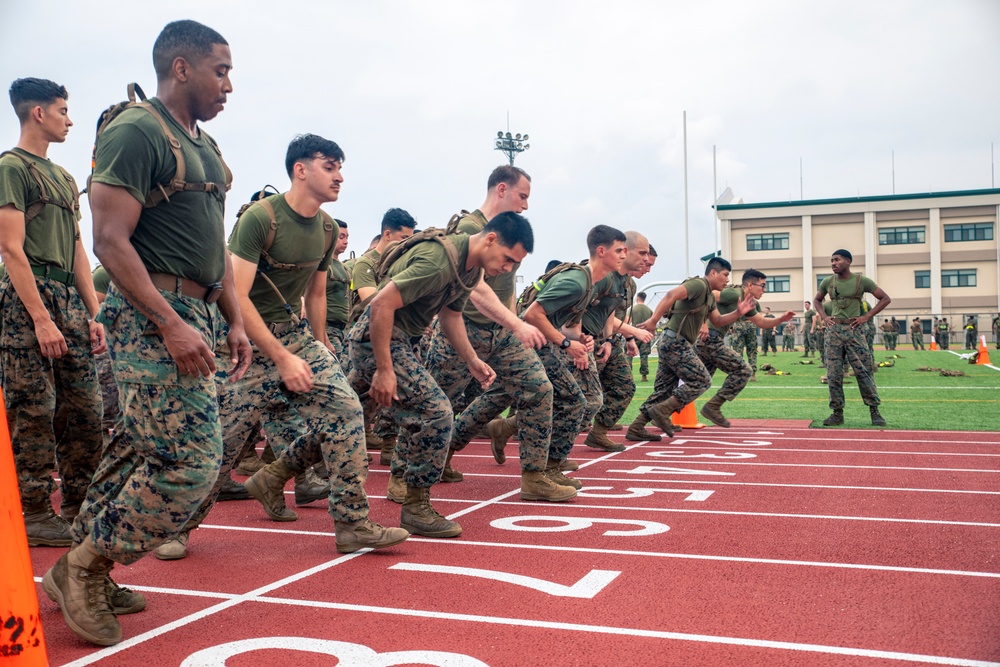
414	92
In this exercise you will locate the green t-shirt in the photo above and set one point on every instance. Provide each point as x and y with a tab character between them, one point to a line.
690	313
842	294
50	238
640	313
183	237
609	293
363	272
337	283
297	240
558	296
427	284
504	285
729	299
102	281
809	315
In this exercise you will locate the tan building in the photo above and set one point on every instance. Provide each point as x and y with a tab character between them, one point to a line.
934	254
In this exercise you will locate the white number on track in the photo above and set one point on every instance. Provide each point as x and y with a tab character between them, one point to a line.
638	492
569	523
671	454
663	470
347	654
590	585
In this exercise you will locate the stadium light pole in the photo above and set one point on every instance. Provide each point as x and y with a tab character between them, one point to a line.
511	146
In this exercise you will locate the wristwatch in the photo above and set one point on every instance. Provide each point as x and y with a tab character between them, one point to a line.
566	342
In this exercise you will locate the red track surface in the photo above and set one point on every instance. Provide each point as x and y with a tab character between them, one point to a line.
765	544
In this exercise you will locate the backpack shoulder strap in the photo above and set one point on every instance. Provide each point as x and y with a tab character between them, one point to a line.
46	189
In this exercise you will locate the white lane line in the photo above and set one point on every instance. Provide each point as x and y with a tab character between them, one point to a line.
639	632
692	462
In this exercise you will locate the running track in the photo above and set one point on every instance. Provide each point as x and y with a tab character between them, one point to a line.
765	544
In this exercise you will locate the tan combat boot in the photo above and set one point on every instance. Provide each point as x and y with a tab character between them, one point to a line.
396	491
450	474
712	411
420	518
553	470
309	487
268	487
500	431
637	430
124	600
45	528
660	415
536	486
568	465
598	439
173	549
78	583
365	534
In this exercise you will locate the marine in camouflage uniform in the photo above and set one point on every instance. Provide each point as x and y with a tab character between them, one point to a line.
917	334
767	337
845	337
105	375
640	313
715	355
46	342
420	283
338	282
521	379
690	304
788	338
808	335
744	335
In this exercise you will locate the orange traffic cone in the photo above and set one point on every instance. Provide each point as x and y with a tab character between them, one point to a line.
984	354
934	345
687	417
22	643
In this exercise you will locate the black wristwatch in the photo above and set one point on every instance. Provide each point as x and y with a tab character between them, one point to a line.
566	342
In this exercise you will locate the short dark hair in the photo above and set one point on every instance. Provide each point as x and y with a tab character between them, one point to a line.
553	263
340	223
396	219
308	147
752	274
717	264
30	92
183	39
512	228
641	295
506	173
652	251
603	235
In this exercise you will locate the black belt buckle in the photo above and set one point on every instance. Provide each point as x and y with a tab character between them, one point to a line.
214	292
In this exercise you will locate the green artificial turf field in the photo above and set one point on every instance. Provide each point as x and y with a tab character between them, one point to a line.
911	399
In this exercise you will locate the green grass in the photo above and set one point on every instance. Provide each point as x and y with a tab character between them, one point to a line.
911	399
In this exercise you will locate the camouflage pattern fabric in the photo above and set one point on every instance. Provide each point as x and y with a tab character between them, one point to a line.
918	339
644	351
335	333
163	461
715	355
589	381
787	342
521	381
53	405
619	385
423	412
819	338
109	393
844	344
678	361
767	341
568	401
744	334
809	342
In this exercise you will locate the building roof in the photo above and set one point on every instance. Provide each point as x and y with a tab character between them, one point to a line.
858	200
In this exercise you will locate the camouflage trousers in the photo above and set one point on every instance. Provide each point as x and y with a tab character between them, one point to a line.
819	339
109	392
644	351
619	385
678	361
744	336
787	342
325	424
521	381
715	355
767	341
809	342
943	339
918	340
335	332
568	401
164	457
422	413
53	405
589	381
844	344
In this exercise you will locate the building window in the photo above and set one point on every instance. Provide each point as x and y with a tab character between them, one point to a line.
901	235
922	279
979	231
958	278
820	277
779	284
767	241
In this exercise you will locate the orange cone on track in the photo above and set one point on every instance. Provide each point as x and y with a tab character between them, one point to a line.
22	643
687	417
933	344
984	354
